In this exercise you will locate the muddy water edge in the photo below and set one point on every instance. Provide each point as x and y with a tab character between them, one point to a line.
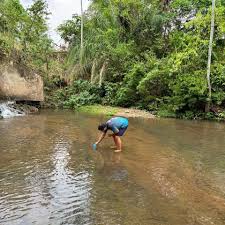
171	172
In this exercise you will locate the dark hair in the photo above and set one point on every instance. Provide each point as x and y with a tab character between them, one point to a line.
102	127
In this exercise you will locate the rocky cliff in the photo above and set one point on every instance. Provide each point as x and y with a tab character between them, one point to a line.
18	84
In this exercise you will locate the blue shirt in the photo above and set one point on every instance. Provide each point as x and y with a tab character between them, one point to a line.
117	123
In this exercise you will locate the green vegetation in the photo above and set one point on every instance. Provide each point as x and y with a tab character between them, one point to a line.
24	39
151	54
99	109
79	93
147	54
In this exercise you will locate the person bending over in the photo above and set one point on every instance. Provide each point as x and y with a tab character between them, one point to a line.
118	125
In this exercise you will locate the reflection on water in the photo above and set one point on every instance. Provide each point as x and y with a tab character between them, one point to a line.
69	191
171	172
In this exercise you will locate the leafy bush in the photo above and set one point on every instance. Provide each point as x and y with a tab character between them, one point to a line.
166	113
128	94
221	115
84	98
82	92
110	92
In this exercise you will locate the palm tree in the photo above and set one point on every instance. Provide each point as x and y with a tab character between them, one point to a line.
210	56
82	34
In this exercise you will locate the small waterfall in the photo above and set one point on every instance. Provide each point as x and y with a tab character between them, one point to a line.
7	110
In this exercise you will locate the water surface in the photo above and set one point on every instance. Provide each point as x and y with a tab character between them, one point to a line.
171	172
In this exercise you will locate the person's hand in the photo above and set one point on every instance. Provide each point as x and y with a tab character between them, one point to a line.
94	146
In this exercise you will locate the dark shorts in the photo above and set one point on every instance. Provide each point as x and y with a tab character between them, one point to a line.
121	131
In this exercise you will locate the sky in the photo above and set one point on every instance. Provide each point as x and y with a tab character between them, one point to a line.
61	10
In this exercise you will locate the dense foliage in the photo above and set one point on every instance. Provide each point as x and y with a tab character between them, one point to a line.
23	34
153	54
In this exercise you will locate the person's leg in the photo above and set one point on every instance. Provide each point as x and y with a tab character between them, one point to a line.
118	143
114	139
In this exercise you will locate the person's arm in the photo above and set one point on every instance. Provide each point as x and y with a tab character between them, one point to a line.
114	129
100	138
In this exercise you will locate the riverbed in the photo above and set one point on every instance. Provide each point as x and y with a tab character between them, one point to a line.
170	172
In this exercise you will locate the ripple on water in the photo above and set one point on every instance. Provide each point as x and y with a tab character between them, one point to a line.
44	190
63	200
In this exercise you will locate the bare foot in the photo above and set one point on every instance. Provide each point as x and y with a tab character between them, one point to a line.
117	150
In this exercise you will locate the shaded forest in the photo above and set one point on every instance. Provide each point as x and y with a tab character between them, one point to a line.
146	54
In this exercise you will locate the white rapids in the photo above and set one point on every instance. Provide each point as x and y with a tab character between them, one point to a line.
8	110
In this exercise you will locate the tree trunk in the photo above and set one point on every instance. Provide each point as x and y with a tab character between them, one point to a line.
208	104
101	75
93	69
47	64
82	34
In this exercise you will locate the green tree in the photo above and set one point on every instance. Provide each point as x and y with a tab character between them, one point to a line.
23	33
154	52
70	30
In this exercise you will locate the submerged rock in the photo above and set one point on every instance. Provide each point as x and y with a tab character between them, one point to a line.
28	109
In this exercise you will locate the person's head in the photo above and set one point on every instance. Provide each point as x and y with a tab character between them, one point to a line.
102	127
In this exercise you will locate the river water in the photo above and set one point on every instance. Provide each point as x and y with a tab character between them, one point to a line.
171	172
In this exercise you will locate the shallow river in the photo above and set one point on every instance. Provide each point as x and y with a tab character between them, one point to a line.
171	172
